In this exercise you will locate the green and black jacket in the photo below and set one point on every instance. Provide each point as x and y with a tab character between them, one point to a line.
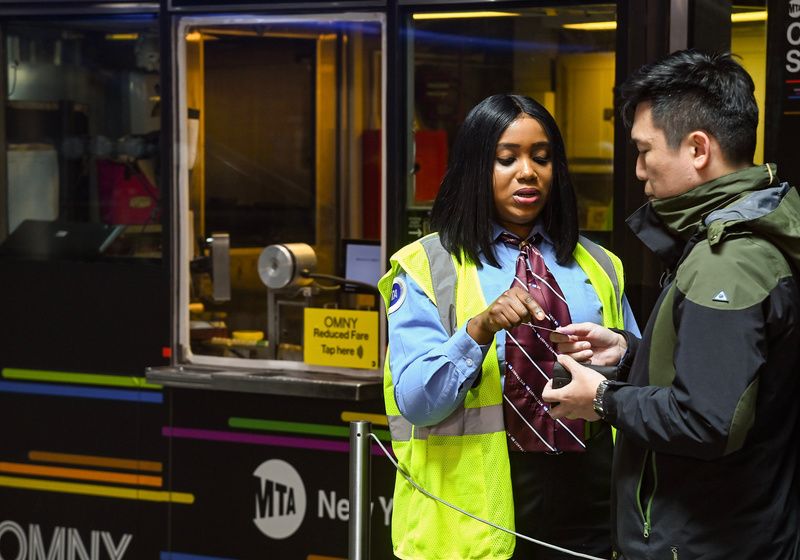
706	464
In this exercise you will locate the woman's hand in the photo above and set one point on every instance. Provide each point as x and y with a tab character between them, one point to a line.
588	342
514	306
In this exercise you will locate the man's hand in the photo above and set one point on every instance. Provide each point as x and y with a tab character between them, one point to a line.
514	306
575	400
587	342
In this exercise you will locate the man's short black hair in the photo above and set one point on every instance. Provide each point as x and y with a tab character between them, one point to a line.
690	90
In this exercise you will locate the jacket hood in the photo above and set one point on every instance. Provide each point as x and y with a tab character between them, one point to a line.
752	199
772	213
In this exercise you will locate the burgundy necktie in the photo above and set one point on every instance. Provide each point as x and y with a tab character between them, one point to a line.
529	362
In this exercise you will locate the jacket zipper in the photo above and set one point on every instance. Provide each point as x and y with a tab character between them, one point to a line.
646	511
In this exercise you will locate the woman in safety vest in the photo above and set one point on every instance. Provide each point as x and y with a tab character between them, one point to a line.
452	298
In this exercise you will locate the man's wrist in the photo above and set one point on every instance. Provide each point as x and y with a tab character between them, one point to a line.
599	397
625	363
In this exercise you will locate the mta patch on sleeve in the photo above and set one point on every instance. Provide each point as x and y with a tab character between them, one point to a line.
398	295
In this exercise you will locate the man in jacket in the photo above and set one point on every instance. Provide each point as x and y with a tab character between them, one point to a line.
706	461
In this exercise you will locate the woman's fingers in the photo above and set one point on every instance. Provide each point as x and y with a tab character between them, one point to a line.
572	346
579	356
516	310
579	330
513	307
530	307
533	308
506	317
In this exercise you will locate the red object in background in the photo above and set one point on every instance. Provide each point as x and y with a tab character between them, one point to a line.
430	164
371	184
126	195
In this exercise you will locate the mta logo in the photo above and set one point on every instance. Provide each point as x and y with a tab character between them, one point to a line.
274	498
398	295
280	499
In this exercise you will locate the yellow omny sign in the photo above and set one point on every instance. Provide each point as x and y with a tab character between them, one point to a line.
341	338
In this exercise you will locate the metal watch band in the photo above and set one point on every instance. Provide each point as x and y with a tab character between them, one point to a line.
597	403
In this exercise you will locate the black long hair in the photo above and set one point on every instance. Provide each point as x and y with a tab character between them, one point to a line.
464	208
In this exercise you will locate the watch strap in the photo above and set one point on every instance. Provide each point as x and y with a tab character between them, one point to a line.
597	402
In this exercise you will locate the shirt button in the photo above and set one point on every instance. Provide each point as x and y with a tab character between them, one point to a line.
469	362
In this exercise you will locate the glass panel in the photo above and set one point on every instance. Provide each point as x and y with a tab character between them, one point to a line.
561	56
749	42
283	130
82	138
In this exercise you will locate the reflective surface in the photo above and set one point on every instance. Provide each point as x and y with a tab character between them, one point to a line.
282	138
548	53
82	139
562	56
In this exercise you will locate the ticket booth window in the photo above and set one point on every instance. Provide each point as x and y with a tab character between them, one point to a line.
279	124
82	139
562	56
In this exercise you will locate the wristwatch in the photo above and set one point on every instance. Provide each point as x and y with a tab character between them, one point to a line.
597	403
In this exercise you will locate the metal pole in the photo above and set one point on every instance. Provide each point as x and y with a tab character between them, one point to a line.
360	490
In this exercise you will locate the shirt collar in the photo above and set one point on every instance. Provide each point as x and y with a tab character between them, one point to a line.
538	227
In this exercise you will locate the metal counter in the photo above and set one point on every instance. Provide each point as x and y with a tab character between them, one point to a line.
274	382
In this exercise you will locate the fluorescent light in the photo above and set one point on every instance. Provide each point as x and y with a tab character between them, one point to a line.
592	26
121	36
738	17
749	16
460	15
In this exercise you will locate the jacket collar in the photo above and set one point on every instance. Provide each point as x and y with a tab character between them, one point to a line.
665	225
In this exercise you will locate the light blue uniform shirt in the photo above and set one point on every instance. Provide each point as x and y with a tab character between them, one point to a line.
432	370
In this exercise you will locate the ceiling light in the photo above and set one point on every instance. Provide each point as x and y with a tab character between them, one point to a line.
461	15
121	36
749	16
739	17
592	26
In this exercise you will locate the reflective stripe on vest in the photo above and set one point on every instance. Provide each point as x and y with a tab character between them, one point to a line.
599	254
400	428
462	422
466	422
443	274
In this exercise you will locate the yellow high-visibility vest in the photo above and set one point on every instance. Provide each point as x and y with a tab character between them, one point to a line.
464	459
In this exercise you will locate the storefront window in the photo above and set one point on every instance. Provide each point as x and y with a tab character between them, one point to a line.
82	120
561	56
280	173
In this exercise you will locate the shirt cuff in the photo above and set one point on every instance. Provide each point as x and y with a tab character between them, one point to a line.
466	355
